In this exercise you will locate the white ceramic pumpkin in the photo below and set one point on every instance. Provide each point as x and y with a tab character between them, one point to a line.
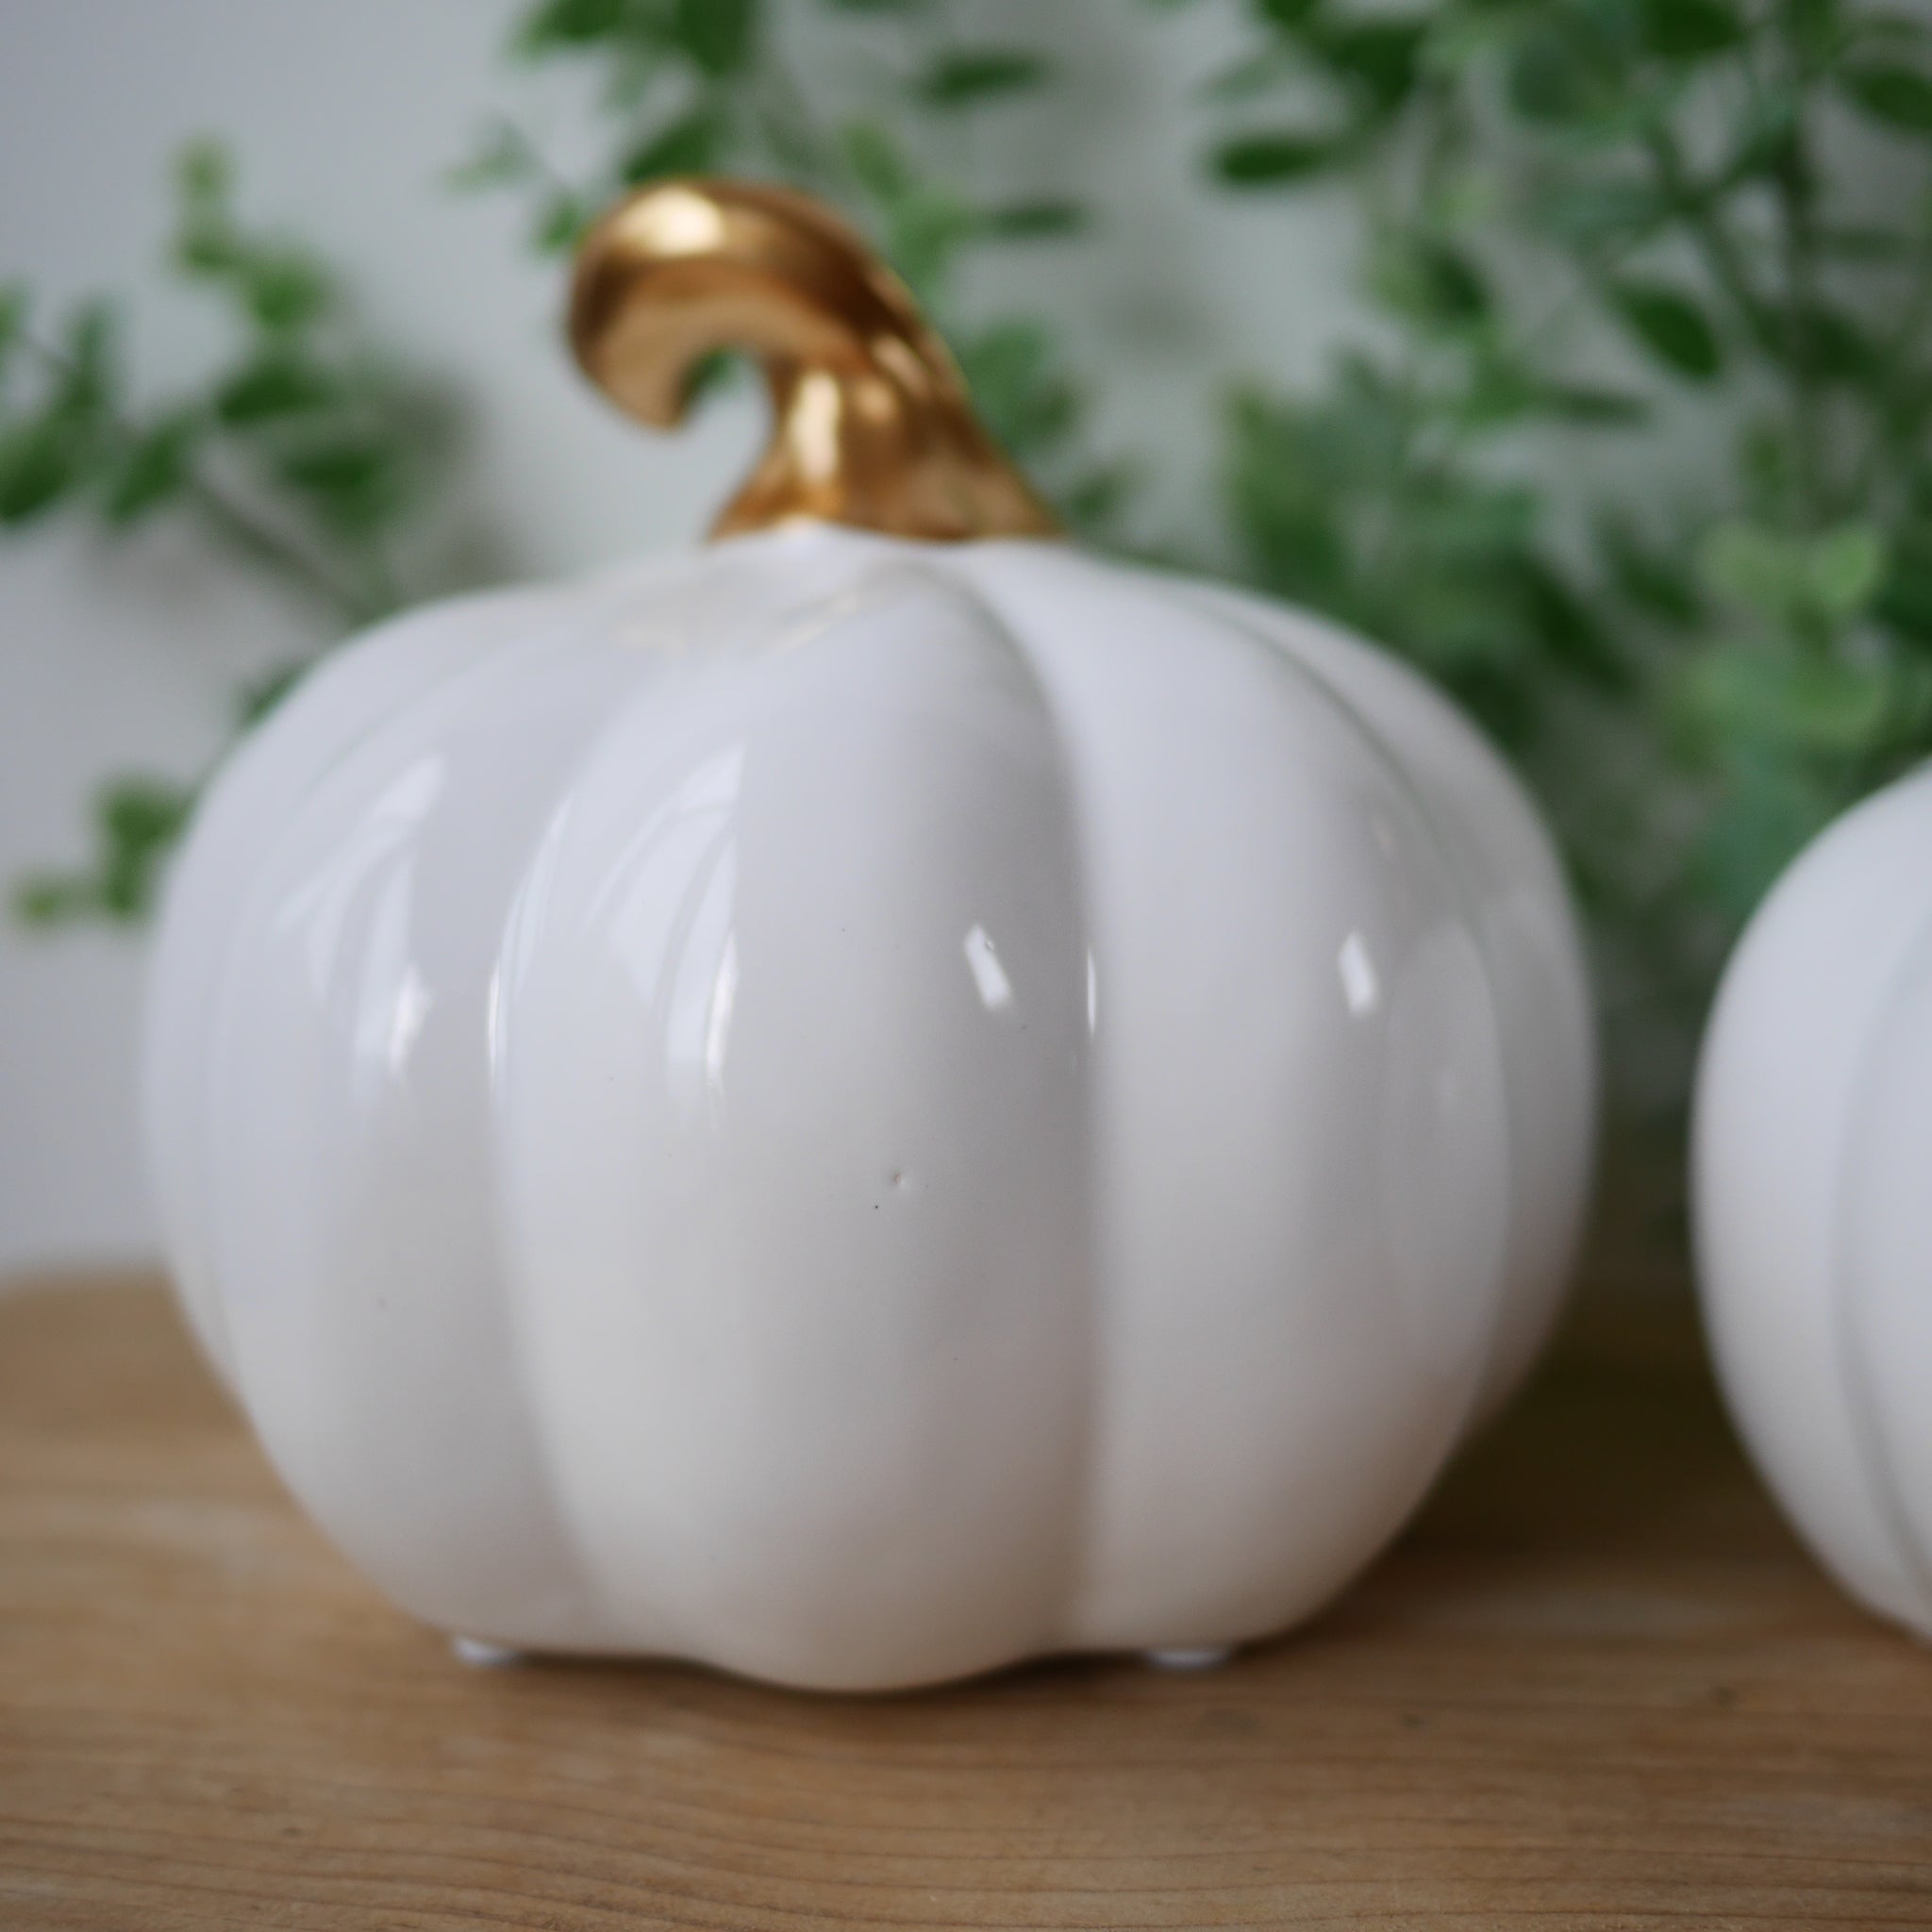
1813	1196
859	1107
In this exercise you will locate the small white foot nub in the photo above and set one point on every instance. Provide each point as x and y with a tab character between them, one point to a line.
1205	1657
481	1656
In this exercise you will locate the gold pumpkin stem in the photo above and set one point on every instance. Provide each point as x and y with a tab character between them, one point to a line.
870	423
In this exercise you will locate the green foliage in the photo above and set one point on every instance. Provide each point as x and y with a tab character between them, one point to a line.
1253	160
308	455
961	77
1671	325
698	87
300	451
1336	504
1698	678
1581	220
134	823
1901	96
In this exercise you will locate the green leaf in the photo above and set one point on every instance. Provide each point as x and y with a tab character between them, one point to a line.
126	887
1034	221
287	290
1670	325
1830	578
1898	96
688	146
1286	514
55	898
13	315
1814	25
92	341
260	695
206	249
1428	282
718	35
1823	707
1689	30
1828	344
273	386
569	24
144	812
1096	498
352	482
925	231
1268	160
203	171
1766	462
561	223
964	77
1286	14
1569	632
204	243
1473	522
1028	401
1378	57
502	158
38	466
1750	566
1607	210
1905	600
1652	578
1461	199
1767	146
876	157
1844	567
1549	81
1499	389
711	375
137	821
154	469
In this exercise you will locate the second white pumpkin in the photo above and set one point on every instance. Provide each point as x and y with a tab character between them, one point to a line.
1813	1196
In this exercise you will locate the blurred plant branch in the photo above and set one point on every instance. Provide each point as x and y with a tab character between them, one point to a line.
303	452
1697	670
712	85
1584	222
308	455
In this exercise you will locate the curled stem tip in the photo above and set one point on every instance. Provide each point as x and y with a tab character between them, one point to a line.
871	422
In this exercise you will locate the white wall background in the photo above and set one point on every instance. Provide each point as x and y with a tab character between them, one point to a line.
344	116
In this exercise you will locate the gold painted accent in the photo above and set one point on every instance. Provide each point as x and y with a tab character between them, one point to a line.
870	423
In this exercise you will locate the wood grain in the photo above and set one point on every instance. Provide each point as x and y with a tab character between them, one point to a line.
1597	1686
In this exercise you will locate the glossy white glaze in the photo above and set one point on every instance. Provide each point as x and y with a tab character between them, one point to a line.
1814	1195
859	1110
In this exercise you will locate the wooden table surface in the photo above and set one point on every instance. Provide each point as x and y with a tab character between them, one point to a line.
1596	1685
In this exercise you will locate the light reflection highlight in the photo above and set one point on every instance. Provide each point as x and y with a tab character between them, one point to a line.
1361	985
989	976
